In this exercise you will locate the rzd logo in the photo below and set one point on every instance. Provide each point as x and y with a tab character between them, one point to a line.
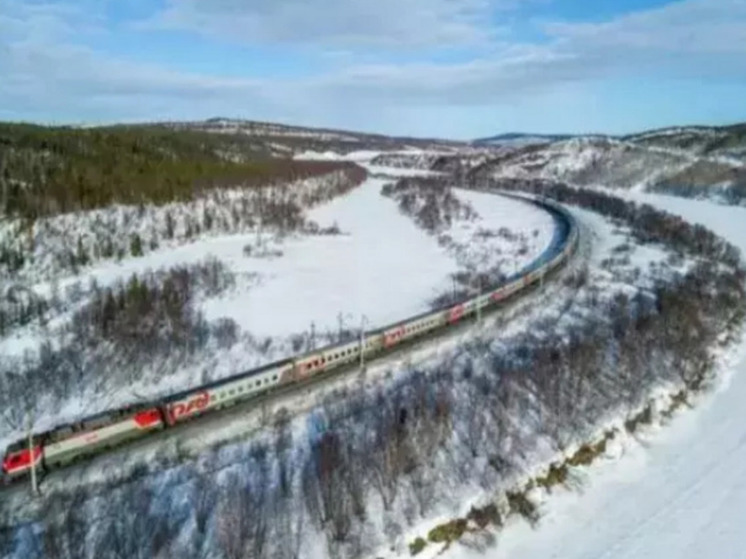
196	404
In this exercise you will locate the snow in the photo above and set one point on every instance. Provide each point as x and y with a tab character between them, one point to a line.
365	214
318	156
381	269
616	163
361	272
382	266
399	171
678	491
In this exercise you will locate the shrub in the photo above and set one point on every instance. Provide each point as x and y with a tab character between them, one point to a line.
645	417
519	503
557	475
485	515
445	533
136	245
417	546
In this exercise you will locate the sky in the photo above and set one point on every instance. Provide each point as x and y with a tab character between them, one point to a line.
438	68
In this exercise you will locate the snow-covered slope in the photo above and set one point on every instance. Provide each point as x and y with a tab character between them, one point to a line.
674	493
288	139
624	164
726	142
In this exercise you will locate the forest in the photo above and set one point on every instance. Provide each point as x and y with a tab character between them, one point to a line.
46	171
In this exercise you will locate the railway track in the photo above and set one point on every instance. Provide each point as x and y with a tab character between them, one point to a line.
268	402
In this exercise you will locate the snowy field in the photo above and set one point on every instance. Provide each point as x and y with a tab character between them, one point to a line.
365	158
382	267
677	491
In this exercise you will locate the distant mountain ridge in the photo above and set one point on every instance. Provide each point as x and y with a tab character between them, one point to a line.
291	138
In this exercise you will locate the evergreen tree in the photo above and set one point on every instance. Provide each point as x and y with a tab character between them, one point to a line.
81	255
136	245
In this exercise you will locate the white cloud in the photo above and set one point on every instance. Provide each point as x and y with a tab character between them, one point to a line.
44	71
684	27
333	23
699	39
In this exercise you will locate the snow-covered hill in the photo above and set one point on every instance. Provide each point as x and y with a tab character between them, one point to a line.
676	492
284	140
625	164
725	142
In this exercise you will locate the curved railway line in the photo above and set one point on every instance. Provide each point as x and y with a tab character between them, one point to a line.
104	432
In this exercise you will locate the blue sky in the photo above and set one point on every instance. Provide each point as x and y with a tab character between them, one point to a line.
446	68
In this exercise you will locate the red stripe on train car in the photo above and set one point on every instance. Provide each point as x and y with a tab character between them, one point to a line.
192	406
148	418
392	338
456	313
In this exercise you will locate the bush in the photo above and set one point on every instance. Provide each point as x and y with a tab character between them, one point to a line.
485	515
417	546
645	417
449	532
136	245
520	504
557	475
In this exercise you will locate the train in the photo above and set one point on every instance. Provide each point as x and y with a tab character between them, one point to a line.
70	443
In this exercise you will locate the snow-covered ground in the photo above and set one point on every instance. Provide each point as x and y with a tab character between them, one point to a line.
381	268
554	302
675	492
550	303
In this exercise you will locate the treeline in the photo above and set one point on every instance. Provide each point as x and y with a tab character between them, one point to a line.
431	204
46	171
71	241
